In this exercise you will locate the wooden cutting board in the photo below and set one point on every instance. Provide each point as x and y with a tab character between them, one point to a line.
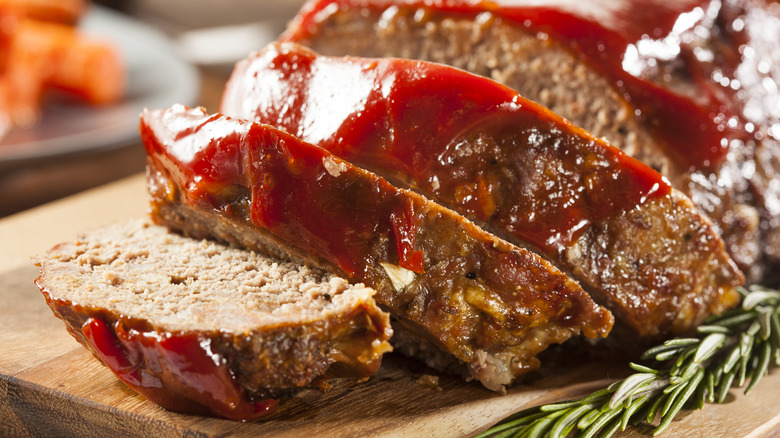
51	386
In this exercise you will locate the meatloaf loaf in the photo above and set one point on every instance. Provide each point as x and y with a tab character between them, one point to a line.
488	304
199	327
689	87
638	246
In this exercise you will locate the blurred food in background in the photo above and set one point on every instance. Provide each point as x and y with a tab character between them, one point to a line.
165	51
219	33
184	15
56	11
43	53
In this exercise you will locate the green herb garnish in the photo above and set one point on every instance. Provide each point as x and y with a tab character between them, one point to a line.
736	347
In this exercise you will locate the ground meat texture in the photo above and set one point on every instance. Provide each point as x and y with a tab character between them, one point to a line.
199	327
510	165
723	68
491	305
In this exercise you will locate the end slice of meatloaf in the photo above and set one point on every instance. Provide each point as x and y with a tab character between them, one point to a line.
199	327
487	303
638	246
689	87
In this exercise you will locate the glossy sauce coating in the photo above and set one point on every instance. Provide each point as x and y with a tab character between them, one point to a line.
284	178
175	370
464	139
625	41
471	291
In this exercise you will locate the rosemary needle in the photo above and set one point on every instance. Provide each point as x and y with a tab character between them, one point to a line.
738	346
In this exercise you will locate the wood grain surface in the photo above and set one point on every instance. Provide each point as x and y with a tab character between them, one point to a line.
51	386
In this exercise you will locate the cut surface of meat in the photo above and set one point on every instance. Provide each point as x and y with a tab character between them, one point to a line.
487	303
199	327
639	246
690	87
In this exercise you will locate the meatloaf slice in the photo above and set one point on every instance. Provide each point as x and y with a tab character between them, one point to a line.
640	247
688	87
199	327
485	302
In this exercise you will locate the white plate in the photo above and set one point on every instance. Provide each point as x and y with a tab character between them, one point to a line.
156	78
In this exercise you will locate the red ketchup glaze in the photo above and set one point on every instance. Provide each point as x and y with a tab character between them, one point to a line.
407	118
405	230
176	371
293	193
696	129
348	217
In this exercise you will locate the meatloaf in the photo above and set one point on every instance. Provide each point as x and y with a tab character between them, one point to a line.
487	303
638	246
199	327
688	87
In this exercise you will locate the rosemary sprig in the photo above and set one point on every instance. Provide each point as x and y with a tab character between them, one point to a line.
735	347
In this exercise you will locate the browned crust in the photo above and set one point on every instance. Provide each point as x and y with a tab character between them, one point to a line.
268	362
660	267
510	349
659	264
545	71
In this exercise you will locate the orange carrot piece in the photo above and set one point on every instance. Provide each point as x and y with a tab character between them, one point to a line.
56	11
65	59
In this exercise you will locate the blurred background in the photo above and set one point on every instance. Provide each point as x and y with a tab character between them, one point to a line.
75	74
